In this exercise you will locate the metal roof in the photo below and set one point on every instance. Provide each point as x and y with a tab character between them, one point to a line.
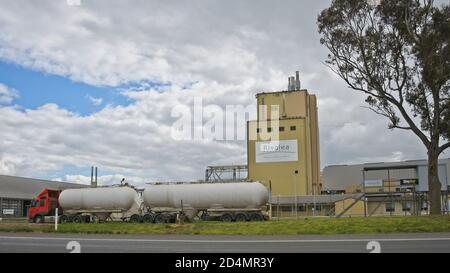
401	167
27	188
279	92
409	163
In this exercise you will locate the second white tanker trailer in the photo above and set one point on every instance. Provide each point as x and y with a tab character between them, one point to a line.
239	201
234	201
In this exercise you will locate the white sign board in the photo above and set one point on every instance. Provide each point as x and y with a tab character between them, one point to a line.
276	151
8	211
373	183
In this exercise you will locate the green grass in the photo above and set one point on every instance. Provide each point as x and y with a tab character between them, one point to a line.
281	227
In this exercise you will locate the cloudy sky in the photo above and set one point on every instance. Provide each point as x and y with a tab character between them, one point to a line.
95	84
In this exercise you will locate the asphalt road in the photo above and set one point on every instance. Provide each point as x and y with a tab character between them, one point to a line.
39	243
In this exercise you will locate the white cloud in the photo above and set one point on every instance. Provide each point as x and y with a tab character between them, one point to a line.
7	95
94	101
104	180
224	52
133	140
6	167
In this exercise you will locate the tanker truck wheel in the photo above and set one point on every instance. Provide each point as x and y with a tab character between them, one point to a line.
170	217
38	219
64	219
77	219
255	216
135	218
226	217
148	218
240	217
159	219
95	219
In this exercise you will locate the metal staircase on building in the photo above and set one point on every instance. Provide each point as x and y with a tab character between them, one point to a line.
351	205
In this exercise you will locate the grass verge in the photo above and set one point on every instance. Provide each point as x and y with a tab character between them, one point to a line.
282	227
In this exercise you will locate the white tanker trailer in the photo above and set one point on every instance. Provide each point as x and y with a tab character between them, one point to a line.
85	205
234	201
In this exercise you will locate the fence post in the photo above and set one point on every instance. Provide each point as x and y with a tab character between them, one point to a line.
56	219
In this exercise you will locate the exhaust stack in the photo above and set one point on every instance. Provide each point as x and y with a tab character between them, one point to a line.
294	82
297	80
94	173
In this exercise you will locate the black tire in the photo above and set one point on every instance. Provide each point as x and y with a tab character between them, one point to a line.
64	219
240	217
170	217
135	218
38	219
77	219
159	218
226	217
95	219
148	218
204	216
255	216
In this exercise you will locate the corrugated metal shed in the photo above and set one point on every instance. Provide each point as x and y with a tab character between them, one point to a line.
14	187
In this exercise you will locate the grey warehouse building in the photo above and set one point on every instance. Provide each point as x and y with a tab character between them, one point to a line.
342	177
16	193
393	188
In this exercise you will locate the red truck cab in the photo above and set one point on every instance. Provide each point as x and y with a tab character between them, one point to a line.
44	205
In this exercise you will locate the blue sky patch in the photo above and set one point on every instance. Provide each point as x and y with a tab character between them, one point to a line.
38	88
144	85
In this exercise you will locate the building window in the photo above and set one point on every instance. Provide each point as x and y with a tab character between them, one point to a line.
10	208
293	128
258	130
390	206
281	129
301	208
269	129
286	208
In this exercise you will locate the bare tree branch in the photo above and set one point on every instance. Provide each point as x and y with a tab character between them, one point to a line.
444	147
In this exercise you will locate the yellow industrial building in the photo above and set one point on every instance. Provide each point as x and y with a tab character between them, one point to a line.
283	143
283	149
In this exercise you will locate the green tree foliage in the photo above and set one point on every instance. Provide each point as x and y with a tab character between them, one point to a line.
398	53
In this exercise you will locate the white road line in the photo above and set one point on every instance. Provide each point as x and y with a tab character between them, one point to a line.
227	241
